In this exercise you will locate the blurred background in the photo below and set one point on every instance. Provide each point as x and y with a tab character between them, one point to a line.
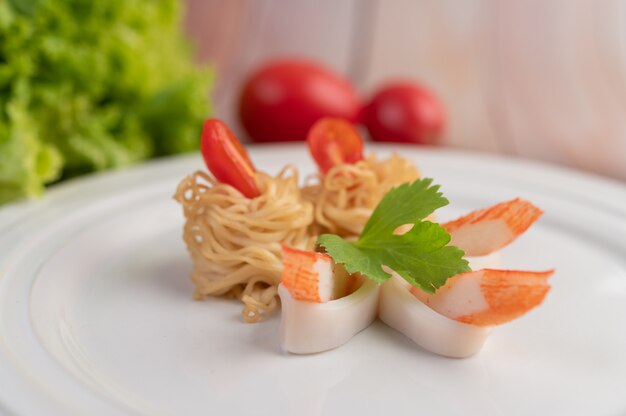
534	79
545	80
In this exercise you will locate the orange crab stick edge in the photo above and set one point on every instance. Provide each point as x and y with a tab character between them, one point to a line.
307	275
334	141
484	231
488	297
227	159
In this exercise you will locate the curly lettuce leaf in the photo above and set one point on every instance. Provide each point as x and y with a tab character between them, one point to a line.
90	85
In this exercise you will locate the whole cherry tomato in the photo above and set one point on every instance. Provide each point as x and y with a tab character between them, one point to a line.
404	112
227	159
334	141
282	100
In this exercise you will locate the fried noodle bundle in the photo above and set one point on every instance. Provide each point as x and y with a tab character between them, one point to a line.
346	196
235	242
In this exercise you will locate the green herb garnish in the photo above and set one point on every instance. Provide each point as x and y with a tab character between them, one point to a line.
421	256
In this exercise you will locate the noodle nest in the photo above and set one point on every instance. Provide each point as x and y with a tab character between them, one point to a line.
235	242
346	196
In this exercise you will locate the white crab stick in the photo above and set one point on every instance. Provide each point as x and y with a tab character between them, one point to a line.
308	327
402	311
399	309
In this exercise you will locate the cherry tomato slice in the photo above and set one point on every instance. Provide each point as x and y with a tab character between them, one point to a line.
227	159
334	141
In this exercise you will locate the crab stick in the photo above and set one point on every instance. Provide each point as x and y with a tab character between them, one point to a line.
456	320
400	309
488	297
430	330
484	231
323	307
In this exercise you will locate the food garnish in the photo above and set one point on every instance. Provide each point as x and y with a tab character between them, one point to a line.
421	255
333	142
227	159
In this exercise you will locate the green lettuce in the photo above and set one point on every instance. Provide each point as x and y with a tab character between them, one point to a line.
89	85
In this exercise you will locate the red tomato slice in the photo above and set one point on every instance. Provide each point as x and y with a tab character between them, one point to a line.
334	141
227	159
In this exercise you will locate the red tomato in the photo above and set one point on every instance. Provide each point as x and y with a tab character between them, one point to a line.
282	100
334	141
227	159
404	112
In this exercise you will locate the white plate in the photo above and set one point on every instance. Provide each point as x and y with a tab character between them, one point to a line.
96	316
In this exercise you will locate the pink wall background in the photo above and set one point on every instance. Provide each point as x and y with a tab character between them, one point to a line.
545	80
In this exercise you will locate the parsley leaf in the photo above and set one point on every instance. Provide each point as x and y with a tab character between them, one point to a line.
405	204
354	260
421	255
